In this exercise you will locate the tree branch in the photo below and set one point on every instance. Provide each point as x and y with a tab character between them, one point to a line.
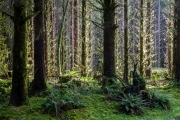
33	15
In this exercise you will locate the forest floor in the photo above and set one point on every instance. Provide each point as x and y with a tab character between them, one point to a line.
97	107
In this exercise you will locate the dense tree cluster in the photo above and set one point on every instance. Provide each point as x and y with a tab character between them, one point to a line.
96	38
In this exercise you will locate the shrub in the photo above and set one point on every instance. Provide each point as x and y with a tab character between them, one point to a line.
131	104
159	73
162	101
60	101
155	100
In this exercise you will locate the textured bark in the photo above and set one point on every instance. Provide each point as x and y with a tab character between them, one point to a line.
109	42
177	41
148	47
46	42
60	47
19	92
39	82
76	32
49	37
125	76
141	38
159	35
71	35
83	33
169	46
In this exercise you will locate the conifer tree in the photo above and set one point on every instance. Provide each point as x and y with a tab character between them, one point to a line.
19	91
109	41
39	82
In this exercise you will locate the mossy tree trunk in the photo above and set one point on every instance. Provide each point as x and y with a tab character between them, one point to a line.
60	47
125	75
141	38
109	42
39	82
19	92
138	82
76	33
148	47
169	37
177	41
83	44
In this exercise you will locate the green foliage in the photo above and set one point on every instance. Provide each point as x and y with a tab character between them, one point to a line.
156	100
61	100
68	76
158	73
5	86
3	54
32	112
131	104
162	101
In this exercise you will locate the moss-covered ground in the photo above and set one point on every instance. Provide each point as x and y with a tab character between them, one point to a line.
97	107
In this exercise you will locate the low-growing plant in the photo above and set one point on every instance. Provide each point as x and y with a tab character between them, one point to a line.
61	100
156	100
131	104
159	73
162	101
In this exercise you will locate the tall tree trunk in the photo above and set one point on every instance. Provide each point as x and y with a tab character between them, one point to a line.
60	39
141	38
109	42
71	36
76	32
19	92
148	47
177	41
169	46
83	44
125	76
39	82
159	35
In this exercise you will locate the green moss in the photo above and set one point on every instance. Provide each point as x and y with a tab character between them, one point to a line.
32	112
97	108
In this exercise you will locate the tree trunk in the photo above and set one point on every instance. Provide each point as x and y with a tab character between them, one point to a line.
125	76
169	46
60	46
83	33
39	82
177	41
141	38
19	91
148	47
109	42
71	36
159	35
76	32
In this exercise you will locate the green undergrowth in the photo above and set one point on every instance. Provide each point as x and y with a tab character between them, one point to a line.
97	106
32	112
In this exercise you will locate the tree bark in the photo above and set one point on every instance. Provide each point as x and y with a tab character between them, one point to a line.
83	33
39	82
76	33
125	76
109	42
176	41
60	47
148	47
169	46
19	91
141	38
159	35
